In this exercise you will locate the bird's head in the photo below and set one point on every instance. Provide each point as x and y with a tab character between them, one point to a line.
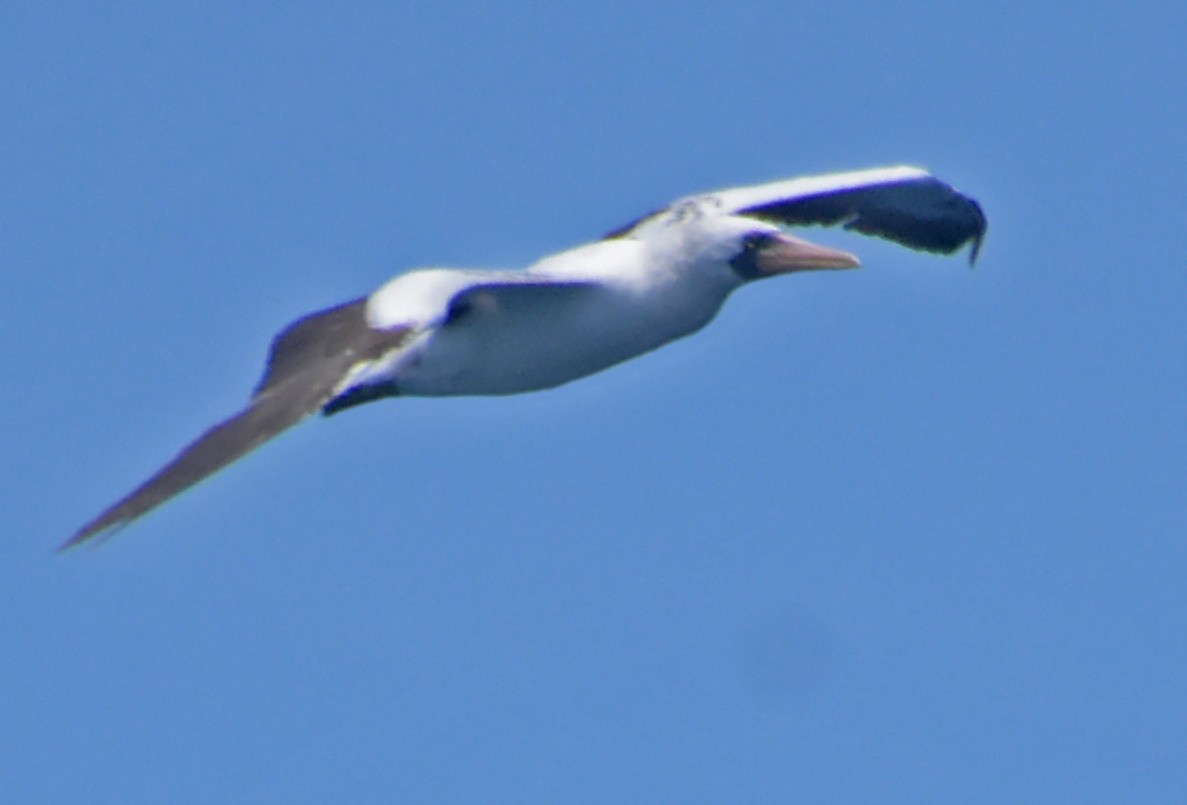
737	249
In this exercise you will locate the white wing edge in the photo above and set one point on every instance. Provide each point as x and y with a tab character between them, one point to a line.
741	198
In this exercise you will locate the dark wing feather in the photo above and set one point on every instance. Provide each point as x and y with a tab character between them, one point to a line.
322	335
904	204
308	361
922	213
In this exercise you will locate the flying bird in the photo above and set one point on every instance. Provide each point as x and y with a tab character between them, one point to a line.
442	332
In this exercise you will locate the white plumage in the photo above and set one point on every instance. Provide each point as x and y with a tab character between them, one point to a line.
438	332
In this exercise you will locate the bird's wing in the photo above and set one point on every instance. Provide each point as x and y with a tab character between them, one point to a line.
308	362
329	360
904	204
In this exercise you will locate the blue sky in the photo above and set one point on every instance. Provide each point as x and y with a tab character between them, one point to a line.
908	533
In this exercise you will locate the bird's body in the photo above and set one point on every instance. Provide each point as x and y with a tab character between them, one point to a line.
444	332
567	317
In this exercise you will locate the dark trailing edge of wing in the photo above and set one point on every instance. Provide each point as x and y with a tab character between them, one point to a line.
306	364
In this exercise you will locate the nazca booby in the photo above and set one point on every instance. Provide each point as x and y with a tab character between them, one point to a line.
438	331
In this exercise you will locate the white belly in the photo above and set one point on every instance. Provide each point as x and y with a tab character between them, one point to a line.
511	350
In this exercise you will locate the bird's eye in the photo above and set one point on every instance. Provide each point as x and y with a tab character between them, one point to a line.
746	263
757	240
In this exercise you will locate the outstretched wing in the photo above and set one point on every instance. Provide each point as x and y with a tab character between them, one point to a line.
308	362
904	204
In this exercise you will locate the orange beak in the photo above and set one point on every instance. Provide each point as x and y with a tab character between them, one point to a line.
784	254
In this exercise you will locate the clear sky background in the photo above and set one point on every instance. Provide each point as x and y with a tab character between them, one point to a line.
915	532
